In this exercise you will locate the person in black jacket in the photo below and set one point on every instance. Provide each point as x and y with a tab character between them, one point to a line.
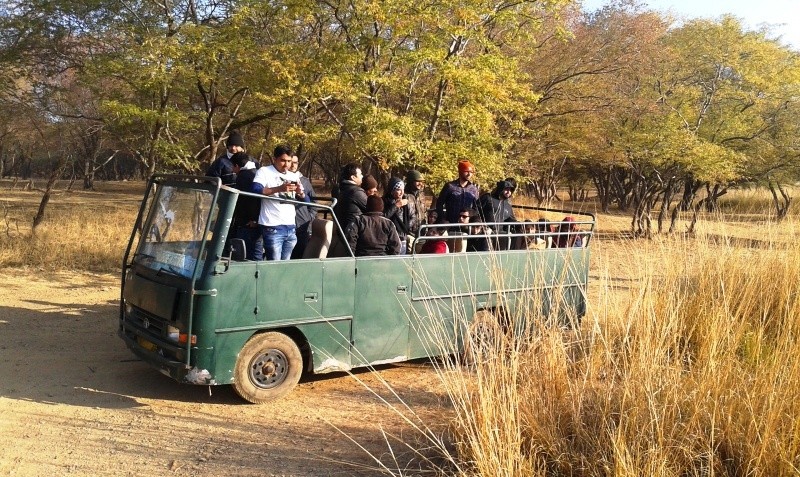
351	198
245	215
304	214
398	208
372	234
222	167
496	207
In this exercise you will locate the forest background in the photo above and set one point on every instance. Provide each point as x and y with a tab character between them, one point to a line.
660	118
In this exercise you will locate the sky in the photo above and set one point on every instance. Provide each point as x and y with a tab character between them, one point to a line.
784	15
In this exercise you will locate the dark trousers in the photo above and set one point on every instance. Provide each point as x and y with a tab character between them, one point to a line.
253	241
303	234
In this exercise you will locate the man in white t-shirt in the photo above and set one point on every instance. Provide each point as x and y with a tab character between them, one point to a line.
277	219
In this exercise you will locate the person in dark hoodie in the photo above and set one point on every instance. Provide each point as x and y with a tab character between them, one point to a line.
222	167
397	207
496	207
372	234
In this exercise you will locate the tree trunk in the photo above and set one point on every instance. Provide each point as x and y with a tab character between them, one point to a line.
782	203
669	192
57	171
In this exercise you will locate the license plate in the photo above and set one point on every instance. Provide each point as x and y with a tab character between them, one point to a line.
146	344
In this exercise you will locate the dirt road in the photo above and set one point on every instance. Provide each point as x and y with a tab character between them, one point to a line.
75	401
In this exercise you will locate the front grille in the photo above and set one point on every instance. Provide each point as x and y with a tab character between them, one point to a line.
142	324
147	323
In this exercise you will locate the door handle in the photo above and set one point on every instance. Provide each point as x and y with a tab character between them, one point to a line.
310	296
402	288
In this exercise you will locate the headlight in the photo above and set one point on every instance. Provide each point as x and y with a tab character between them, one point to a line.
173	333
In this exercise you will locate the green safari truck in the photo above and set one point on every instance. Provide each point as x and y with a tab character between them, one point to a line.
195	309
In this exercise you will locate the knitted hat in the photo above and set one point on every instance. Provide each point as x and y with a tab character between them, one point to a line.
395	183
374	204
368	182
234	139
465	166
414	176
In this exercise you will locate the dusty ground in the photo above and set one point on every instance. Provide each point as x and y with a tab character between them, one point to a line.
75	401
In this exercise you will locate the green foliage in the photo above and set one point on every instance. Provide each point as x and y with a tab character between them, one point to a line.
532	88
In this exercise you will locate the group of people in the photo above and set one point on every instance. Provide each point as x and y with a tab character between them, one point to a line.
376	225
372	225
271	230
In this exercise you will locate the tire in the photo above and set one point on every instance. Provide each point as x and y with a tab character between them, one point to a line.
269	367
485	339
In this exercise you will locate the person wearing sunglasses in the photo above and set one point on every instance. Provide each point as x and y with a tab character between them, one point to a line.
457	195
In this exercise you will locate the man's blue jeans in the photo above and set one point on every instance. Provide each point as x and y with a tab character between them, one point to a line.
279	240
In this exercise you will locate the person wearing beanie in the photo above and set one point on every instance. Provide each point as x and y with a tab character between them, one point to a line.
397	208
222	167
496	207
370	185
415	185
371	234
457	195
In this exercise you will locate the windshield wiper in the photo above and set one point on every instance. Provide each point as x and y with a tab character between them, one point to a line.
169	269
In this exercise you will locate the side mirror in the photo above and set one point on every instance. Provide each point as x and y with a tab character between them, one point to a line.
237	250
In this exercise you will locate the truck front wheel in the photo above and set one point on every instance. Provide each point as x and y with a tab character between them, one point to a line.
268	367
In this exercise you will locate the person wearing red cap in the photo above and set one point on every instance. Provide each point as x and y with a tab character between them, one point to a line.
457	195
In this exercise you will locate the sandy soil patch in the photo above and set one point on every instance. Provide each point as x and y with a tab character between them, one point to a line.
75	401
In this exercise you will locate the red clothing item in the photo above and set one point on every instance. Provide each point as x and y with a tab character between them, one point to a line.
434	246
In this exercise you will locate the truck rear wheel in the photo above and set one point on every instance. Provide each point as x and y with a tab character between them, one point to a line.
268	367
484	340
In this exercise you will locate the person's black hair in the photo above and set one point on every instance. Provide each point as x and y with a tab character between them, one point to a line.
282	149
348	171
474	216
512	182
240	159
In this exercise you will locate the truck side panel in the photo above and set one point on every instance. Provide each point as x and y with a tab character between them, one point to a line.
381	319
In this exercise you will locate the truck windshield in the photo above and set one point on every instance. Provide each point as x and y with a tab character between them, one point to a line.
172	235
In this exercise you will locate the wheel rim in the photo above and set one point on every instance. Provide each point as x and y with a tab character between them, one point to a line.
269	369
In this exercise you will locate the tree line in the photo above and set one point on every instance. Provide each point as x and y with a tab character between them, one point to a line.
659	117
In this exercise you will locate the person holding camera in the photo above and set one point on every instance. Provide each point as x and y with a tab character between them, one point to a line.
277	219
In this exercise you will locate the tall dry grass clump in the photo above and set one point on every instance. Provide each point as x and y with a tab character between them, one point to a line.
82	230
689	368
81	241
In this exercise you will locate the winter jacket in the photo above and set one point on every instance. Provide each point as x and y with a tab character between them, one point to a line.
453	199
222	167
416	202
304	213
404	218
373	234
247	208
494	208
351	203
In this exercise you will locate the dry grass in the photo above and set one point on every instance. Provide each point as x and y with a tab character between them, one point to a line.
686	364
83	230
